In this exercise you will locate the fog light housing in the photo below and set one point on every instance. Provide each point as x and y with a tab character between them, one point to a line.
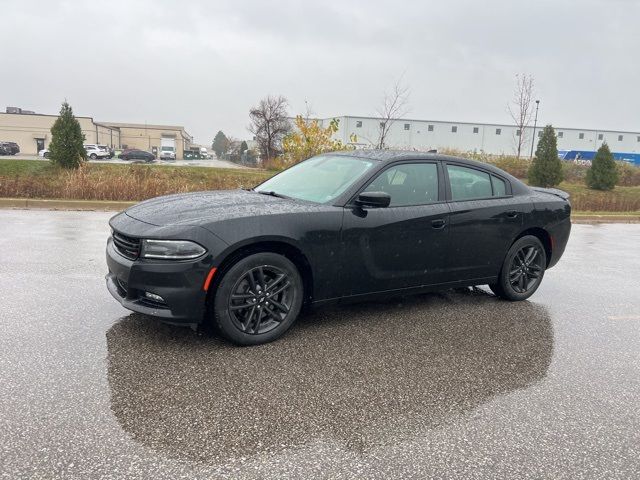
154	297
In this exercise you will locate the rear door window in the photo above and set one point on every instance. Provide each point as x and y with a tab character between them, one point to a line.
468	183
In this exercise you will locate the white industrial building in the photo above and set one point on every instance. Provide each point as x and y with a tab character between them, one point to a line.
480	137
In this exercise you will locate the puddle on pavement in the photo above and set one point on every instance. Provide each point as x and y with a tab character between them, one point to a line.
360	376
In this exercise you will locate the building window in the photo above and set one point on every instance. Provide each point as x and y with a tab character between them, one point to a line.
638	138
430	128
381	124
560	134
620	137
581	136
518	133
407	126
359	124
539	133
600	136
498	131
476	129
454	129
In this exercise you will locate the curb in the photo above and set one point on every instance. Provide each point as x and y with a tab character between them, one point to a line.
592	219
90	205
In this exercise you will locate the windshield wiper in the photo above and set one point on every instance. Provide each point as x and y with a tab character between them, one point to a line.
271	193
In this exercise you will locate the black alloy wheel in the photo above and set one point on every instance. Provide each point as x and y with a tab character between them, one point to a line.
260	300
522	270
257	299
525	270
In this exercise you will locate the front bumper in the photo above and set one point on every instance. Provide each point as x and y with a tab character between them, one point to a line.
180	284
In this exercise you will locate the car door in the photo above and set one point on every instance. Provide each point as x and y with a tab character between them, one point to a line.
403	245
484	220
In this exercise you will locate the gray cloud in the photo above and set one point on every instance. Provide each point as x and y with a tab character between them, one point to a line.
203	64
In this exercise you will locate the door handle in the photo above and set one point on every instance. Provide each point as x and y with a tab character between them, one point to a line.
512	214
438	223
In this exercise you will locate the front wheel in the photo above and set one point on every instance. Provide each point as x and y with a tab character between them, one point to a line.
522	270
93	156
258	299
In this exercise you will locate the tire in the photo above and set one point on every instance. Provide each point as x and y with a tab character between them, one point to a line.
93	156
522	270
252	316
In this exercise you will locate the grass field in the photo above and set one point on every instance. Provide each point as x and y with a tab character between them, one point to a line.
37	179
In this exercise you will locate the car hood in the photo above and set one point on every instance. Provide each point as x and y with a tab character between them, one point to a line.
201	208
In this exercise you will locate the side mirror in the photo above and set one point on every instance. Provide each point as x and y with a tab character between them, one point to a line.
373	199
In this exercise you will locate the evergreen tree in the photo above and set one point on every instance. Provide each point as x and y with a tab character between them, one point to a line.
220	144
603	174
66	148
546	169
243	147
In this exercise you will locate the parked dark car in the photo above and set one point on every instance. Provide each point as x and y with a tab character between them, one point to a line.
137	155
337	227
13	147
5	149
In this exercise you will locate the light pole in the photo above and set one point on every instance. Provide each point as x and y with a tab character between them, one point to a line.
535	122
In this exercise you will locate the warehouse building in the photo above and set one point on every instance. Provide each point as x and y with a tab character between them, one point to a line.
32	132
490	138
150	137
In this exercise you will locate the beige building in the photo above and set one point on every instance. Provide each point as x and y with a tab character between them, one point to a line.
32	132
149	137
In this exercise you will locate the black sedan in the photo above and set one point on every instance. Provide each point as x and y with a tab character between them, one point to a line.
138	155
337	227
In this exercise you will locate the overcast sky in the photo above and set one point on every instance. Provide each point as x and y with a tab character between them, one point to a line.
203	64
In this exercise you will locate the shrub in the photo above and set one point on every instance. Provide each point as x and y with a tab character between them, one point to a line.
574	172
546	168
310	139
628	175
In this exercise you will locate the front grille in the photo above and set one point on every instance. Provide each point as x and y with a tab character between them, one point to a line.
127	246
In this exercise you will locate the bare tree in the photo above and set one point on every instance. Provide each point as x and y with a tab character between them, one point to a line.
269	124
394	105
521	108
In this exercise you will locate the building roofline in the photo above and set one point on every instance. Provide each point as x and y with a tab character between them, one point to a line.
477	124
41	115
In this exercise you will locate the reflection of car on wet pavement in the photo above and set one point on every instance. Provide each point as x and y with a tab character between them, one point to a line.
339	226
358	388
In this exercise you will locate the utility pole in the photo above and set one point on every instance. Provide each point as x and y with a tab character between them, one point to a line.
535	123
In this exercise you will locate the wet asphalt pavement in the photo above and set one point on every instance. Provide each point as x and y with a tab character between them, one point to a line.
450	385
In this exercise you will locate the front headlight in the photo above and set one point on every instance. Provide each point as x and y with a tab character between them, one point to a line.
171	249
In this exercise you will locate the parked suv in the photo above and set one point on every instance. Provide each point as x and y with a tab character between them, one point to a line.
94	151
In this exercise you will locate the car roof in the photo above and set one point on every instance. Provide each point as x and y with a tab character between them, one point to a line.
388	156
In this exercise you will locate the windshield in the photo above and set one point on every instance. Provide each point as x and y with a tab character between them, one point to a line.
320	179
166	149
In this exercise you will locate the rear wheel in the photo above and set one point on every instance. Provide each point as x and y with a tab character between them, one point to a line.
258	299
522	270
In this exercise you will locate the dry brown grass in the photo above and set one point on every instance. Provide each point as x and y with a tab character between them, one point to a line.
120	182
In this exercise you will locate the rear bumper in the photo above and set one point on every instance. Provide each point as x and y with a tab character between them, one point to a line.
560	236
180	284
